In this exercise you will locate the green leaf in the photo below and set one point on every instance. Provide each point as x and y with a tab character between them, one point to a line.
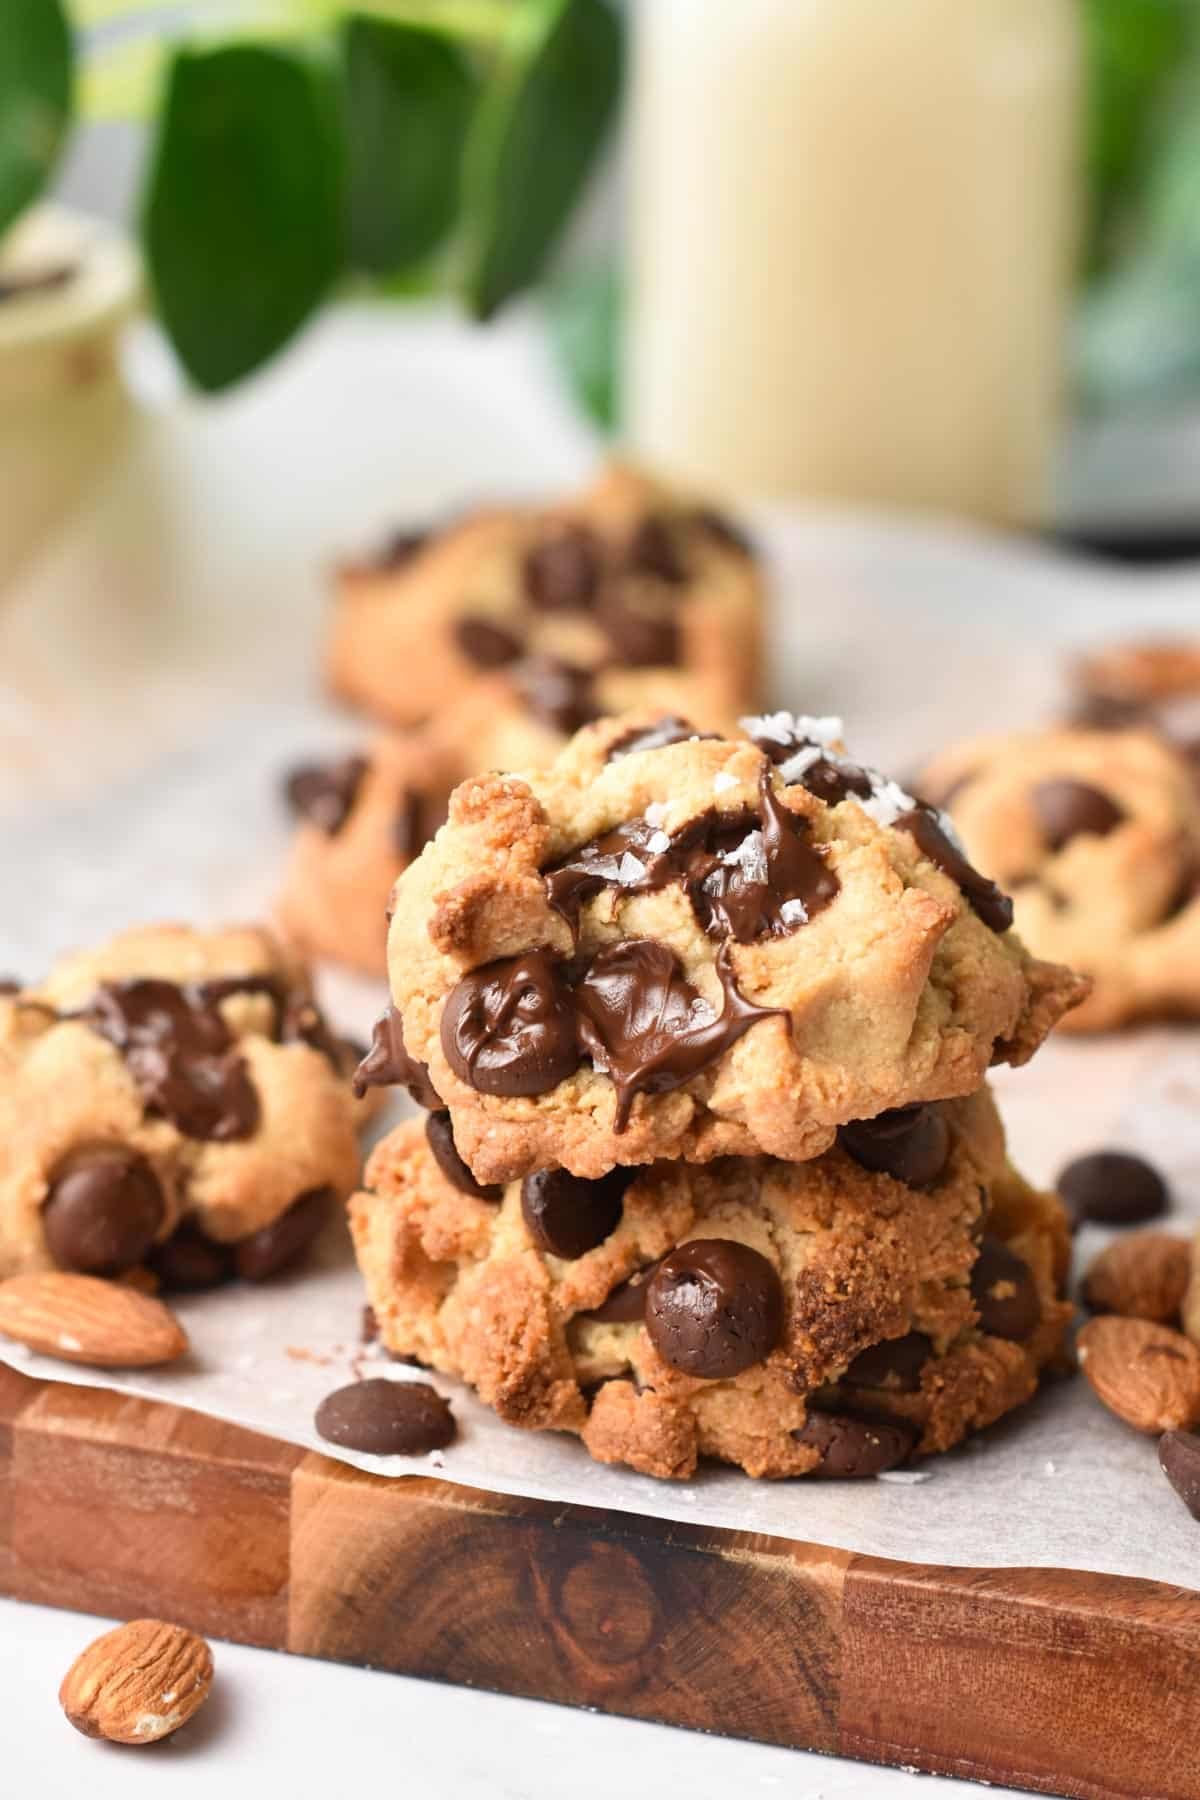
242	218
408	97
35	99
583	311
542	118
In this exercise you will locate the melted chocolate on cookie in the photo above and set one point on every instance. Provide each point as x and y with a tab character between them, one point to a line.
509	1028
419	817
388	1064
644	1024
668	730
993	907
562	572
324	793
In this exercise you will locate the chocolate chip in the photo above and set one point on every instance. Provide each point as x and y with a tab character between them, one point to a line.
986	899
896	1363
1111	1187
1004	1292
419	817
626	1305
638	1019
1179	1460
9	985
401	548
567	1216
486	644
190	1263
852	1448
556	693
1067	809
835	781
275	1246
713	1308
721	529
509	1027
388	1064
324	793
103	1209
386	1418
561	573
654	550
665	731
911	1143
439	1134
180	1052
638	639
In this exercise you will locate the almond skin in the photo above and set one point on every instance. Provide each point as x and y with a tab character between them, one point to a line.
1146	1373
1144	1276
81	1319
138	1683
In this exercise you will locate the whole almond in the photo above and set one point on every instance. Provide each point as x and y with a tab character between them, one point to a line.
81	1319
1146	1373
138	1683
1144	1276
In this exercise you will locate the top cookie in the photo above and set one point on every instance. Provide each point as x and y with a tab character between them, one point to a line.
675	946
1098	835
627	579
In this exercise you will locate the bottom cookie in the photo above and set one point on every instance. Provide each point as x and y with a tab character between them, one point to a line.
828	1318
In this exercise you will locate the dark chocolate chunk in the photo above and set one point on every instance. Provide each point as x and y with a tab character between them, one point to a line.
654	550
103	1209
620	858
1003	1289
713	1308
509	1028
386	1418
191	1263
994	908
896	1363
1111	1187
562	571
638	1021
721	529
557	694
836	780
401	548
1067	809
670	729
324	793
486	644
910	1142
439	1135
1179	1460
388	1064
626	1305
180	1052
276	1246
637	638
419	817
852	1448
567	1216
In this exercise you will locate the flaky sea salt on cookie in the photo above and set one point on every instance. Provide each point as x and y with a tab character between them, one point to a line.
820	1318
680	945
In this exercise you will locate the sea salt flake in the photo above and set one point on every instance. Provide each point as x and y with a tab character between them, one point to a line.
794	912
656	812
905	1477
657	842
629	870
888	800
750	856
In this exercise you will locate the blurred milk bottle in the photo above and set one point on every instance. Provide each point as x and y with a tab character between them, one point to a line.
852	237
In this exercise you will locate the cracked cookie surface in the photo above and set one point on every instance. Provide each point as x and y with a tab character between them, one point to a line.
627	579
171	1099
1097	836
794	1319
696	946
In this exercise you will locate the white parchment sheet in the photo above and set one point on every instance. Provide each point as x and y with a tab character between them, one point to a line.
200	835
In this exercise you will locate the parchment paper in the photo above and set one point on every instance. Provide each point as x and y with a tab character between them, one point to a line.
200	835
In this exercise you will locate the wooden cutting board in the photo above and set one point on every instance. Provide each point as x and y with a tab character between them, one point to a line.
1050	1679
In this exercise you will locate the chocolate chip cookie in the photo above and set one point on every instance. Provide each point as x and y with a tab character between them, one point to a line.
173	1100
1096	834
826	1318
675	944
626	579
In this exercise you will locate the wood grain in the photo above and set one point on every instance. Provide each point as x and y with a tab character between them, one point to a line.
1053	1680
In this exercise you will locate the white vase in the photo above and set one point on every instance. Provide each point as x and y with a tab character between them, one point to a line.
64	408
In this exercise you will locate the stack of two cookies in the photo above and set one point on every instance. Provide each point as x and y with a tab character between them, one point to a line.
710	1169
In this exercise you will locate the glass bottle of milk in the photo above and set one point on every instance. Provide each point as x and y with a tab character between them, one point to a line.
853	226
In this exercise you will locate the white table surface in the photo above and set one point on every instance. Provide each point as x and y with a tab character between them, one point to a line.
216	520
